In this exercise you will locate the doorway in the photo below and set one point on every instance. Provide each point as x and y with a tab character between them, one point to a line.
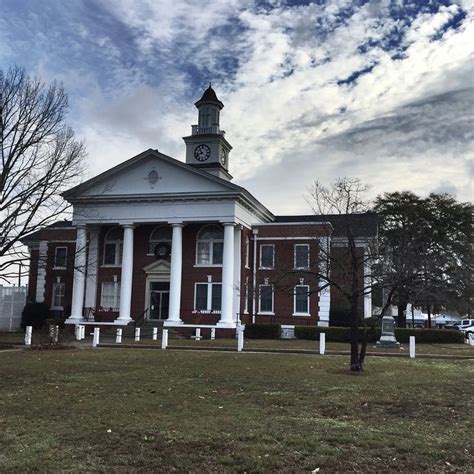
159	300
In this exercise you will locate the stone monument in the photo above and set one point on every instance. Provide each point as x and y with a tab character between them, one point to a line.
387	339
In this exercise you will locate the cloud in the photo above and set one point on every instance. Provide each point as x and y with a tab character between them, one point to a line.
377	89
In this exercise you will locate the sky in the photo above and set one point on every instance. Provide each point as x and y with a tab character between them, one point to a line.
380	90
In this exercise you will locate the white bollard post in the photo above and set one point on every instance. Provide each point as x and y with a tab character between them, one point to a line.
77	332
137	334
213	333
28	335
412	347
95	338
240	339
198	334
322	343
164	339
118	338
155	334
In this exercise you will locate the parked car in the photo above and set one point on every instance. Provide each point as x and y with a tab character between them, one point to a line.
465	323
467	330
453	325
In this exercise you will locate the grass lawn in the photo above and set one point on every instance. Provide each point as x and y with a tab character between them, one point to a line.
123	410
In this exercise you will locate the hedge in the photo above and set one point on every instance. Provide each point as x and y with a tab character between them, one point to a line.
262	331
333	334
430	335
341	334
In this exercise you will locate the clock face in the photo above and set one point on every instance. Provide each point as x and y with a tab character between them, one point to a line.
202	152
223	157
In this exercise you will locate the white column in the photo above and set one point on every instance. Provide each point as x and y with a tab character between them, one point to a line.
324	293
127	274
92	265
79	280
176	271
237	269
227	319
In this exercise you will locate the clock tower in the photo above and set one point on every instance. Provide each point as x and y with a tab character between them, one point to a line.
207	147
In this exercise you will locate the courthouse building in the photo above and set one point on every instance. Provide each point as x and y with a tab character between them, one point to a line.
159	239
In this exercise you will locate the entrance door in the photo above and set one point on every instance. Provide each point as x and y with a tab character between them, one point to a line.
159	300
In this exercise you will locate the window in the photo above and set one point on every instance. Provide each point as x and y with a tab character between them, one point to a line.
301	306
110	294
301	256
60	257
205	117
58	295
267	256
247	253
113	247
210	246
266	299
160	235
208	297
246	300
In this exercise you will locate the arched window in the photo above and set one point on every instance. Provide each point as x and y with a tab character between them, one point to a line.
113	246
210	245
160	235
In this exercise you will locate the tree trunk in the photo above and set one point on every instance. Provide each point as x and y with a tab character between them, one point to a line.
412	315
401	316
429	316
356	365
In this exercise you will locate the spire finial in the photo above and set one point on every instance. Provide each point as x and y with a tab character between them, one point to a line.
210	84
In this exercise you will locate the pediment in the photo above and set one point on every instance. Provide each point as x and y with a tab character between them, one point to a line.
151	174
159	267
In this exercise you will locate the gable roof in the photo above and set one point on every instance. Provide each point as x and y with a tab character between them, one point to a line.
232	188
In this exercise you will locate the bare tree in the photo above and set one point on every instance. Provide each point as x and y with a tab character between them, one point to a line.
40	158
349	262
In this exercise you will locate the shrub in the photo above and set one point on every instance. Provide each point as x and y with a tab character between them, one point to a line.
429	335
342	334
34	314
333	334
262	331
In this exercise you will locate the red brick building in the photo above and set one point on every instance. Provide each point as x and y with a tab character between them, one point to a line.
159	239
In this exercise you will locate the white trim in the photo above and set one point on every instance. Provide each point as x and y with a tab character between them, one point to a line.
116	295
156	272
294	257
41	273
118	244
210	242
272	312
209	309
273	257
155	241
55	285
295	313
203	265
55	257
